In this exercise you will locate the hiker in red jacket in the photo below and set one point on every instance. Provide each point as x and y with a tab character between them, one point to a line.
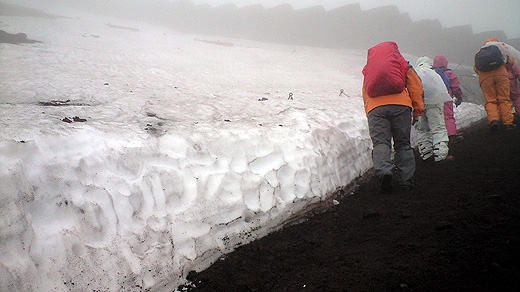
513	75
392	93
456	94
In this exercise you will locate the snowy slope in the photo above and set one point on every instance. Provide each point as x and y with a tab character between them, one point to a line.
177	150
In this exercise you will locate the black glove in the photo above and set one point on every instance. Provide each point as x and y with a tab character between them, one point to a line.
415	120
457	101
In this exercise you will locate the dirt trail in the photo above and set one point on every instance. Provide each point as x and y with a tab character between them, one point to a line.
457	229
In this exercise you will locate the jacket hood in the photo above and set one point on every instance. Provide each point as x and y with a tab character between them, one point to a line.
490	40
424	62
440	61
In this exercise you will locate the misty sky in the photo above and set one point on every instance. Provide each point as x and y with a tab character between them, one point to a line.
482	15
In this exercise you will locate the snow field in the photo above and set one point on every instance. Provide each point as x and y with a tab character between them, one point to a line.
188	149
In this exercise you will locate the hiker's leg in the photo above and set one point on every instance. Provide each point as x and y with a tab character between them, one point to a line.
516	104
490	94
381	135
502	88
439	132
424	137
449	118
404	157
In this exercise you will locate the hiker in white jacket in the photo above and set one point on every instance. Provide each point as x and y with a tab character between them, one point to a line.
508	51
432	135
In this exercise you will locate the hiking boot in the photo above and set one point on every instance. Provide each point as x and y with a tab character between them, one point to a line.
509	127
455	138
386	183
493	126
427	156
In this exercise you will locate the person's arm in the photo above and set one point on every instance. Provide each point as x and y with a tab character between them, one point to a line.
455	85
474	65
510	63
365	96
414	88
516	71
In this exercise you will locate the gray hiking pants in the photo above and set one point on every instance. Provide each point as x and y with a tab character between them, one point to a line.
386	123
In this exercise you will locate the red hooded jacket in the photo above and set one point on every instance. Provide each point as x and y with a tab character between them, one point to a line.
441	62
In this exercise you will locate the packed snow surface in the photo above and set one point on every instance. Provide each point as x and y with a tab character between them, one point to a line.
130	155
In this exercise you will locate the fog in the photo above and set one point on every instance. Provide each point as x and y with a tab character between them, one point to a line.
320	23
482	15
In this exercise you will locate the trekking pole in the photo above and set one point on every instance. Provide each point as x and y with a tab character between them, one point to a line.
459	64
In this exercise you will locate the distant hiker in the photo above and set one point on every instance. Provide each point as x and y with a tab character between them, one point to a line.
432	136
391	92
514	91
456	94
491	65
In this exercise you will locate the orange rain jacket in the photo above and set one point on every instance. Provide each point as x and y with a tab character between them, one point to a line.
411	96
502	70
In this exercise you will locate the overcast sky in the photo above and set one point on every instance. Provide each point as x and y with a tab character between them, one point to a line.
482	15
